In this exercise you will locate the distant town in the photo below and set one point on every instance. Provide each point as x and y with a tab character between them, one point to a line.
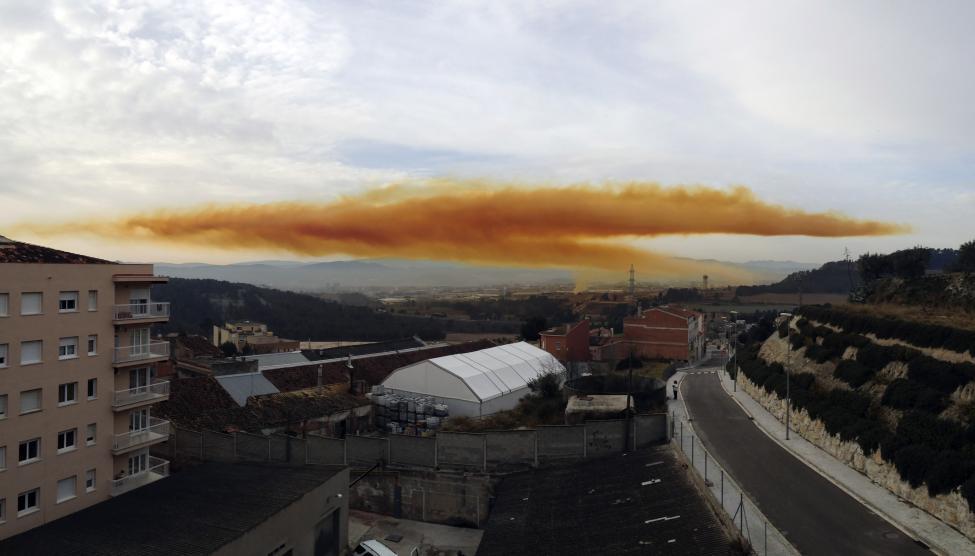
152	411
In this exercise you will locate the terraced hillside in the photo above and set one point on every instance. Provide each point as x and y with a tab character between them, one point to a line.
894	399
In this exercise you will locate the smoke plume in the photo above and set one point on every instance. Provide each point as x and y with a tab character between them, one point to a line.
579	227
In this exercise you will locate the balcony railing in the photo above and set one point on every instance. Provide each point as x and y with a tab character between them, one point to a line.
140	311
158	429
139	352
157	390
158	469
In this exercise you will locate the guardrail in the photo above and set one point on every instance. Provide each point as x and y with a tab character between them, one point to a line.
158	469
139	352
156	390
157	429
139	311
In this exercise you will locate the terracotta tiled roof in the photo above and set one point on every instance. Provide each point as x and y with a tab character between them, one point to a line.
199	346
370	369
201	403
19	252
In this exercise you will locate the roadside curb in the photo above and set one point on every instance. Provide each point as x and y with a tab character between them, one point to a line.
914	535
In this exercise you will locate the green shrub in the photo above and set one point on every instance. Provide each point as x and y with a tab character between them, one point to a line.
877	356
948	472
853	373
913	463
945	377
968	492
797	340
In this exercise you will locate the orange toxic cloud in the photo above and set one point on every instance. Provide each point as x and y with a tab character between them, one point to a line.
582	227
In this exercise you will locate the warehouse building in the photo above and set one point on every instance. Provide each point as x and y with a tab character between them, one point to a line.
478	383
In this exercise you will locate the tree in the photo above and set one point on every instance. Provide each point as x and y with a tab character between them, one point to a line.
531	328
966	257
228	349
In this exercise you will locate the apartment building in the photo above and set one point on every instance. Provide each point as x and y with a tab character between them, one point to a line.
77	382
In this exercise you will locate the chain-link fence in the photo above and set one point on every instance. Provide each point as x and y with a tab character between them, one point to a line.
753	526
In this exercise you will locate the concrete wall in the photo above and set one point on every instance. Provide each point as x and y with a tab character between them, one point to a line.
365	451
494	451
460	450
650	429
325	450
218	446
511	450
605	437
295	525
437	497
561	442
412	451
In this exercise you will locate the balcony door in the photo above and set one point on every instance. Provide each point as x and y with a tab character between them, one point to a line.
139	420
139	341
138	463
139	380
139	301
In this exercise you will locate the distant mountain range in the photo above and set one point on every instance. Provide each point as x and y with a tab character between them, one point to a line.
393	273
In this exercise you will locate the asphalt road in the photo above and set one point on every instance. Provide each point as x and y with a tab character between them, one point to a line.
815	515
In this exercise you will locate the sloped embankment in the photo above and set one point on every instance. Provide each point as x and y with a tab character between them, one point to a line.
902	417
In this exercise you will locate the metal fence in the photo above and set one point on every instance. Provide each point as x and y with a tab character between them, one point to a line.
763	538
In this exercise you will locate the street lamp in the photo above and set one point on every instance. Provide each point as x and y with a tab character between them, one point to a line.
788	391
734	347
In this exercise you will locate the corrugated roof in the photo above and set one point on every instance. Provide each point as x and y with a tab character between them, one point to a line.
242	386
499	370
275	360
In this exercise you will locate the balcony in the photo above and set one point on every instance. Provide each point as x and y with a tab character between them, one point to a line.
141	395
140	313
158	431
158	469
141	353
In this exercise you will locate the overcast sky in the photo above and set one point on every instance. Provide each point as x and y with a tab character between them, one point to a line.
860	107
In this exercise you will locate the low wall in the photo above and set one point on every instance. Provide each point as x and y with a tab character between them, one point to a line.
412	451
436	497
460	450
561	442
511	450
952	508
493	451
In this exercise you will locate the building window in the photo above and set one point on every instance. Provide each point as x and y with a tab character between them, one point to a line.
30	400
66	489
90	433
92	300
3	355
3	457
27	502
90	480
92	388
4	304
3	406
30	352
93	344
66	441
29	452
68	302
3	510
68	348
31	303
558	346
67	393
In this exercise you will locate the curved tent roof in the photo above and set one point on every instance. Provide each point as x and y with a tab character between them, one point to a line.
487	374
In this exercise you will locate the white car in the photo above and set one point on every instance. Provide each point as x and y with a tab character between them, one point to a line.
372	548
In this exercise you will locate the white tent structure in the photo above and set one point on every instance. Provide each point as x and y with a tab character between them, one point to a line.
477	383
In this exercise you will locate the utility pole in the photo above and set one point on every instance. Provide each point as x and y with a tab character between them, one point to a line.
788	391
632	281
734	348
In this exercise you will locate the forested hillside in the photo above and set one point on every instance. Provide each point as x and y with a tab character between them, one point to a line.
833	277
199	304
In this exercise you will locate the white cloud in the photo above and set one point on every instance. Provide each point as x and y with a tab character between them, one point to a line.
121	105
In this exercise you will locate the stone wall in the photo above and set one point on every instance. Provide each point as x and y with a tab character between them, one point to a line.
952	508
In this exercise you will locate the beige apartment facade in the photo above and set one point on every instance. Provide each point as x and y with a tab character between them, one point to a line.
77	383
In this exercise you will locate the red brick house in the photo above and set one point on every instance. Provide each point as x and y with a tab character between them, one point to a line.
666	332
569	342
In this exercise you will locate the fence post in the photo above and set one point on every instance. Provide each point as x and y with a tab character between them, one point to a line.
722	489
705	466
682	436
692	450
484	453
436	451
